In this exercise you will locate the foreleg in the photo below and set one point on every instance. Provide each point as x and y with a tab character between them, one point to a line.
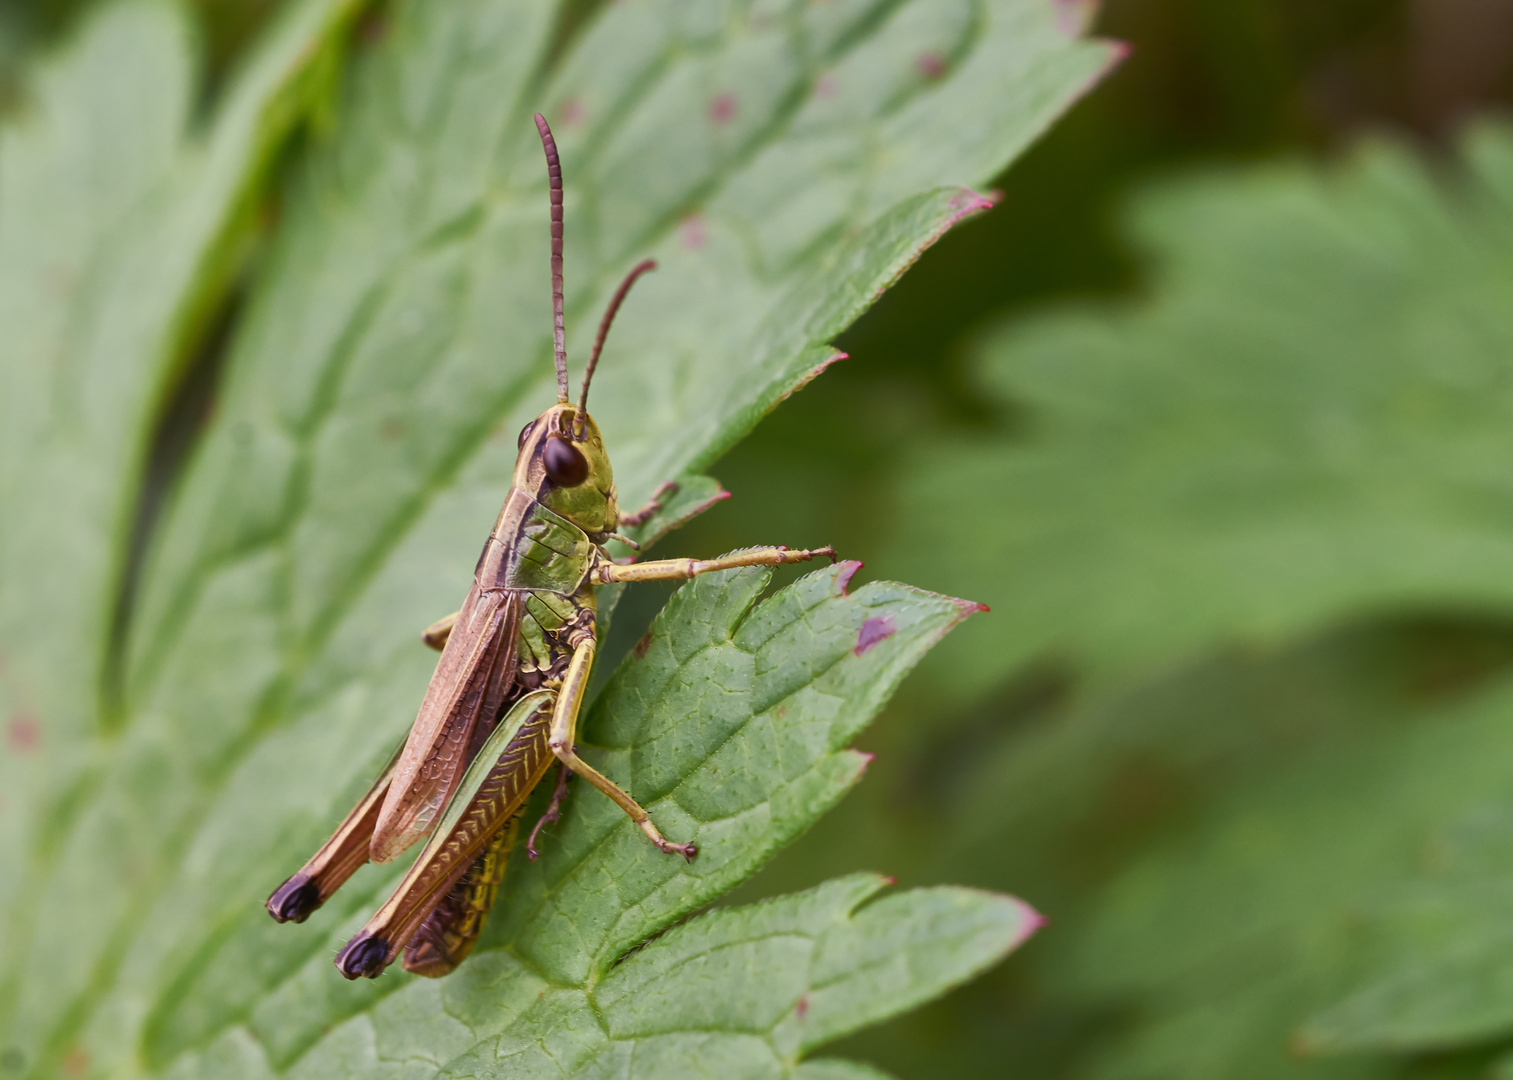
681	569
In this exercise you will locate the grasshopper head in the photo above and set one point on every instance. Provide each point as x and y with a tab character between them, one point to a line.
564	466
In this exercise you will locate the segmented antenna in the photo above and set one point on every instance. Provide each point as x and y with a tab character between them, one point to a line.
609	317
559	330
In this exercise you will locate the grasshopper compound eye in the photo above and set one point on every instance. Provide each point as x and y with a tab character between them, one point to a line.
565	465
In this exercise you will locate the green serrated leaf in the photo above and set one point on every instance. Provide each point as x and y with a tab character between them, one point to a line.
758	763
395	339
1305	421
737	992
763	758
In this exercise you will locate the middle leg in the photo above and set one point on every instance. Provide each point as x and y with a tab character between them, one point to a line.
565	729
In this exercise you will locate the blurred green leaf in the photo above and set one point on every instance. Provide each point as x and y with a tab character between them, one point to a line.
1305	419
122	219
1256	865
784	164
1340	876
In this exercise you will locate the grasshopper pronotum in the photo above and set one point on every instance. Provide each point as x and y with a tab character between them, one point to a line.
504	700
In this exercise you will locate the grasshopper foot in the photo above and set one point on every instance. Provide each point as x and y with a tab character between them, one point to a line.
553	811
667	847
363	957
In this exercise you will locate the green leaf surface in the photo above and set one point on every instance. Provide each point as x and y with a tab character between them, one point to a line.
783	162
739	992
779	691
122	218
1304	419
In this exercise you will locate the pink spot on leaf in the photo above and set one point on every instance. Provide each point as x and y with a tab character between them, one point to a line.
876	629
695	235
826	86
22	735
722	108
801	1010
970	607
844	572
867	759
931	65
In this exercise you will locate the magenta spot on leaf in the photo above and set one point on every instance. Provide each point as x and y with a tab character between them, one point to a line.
801	1010
931	65
826	86
844	572
971	607
876	629
867	759
572	112
722	108
22	735
693	232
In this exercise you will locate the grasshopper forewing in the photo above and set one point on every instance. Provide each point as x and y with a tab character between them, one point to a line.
504	700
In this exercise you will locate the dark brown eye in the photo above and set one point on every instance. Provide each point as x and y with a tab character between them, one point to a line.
525	433
565	465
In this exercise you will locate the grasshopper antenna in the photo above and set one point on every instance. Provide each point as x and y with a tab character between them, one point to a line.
609	317
559	331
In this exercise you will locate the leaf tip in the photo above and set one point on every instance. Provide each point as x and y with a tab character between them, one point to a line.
1030	922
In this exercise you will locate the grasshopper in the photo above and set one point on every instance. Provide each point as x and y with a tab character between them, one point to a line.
504	700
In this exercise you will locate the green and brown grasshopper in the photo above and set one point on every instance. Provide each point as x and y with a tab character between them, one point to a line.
503	703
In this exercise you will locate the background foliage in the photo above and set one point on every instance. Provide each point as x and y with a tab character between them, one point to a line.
1213	410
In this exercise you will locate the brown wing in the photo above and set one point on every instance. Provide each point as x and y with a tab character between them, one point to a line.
446	859
472	678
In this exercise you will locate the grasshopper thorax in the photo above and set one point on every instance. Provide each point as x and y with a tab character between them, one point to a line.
563	465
